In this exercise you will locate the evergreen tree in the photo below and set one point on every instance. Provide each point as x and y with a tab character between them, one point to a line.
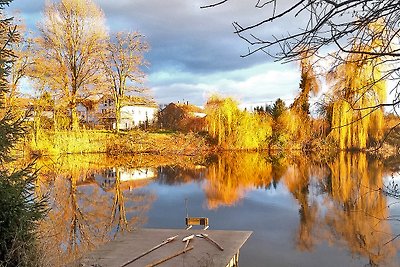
278	108
19	208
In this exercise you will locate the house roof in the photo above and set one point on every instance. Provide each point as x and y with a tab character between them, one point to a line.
24	102
88	103
135	101
186	107
190	108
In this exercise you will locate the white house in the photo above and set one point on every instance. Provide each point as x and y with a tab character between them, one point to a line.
137	174
135	112
135	115
128	177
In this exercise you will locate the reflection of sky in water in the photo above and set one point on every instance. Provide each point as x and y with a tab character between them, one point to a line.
394	203
271	214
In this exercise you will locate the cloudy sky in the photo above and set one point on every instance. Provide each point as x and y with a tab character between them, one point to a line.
194	52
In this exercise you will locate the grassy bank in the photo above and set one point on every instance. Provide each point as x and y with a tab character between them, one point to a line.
85	141
159	143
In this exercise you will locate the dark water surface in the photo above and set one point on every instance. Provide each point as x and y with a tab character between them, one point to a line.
303	210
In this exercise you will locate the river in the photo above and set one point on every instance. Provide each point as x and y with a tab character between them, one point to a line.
304	210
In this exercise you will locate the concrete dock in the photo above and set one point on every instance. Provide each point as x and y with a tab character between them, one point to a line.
203	252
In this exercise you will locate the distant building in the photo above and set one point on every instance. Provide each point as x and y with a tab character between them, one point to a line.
182	117
135	112
87	112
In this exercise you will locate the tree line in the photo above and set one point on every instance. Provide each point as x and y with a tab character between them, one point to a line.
345	118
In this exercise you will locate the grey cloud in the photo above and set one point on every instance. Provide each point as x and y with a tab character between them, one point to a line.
179	32
186	41
183	35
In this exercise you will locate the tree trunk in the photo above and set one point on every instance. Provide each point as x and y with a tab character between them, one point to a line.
74	123
117	114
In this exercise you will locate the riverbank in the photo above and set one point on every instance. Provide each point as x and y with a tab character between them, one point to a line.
161	143
132	142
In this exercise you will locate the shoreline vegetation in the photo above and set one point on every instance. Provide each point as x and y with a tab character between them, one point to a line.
112	143
165	143
225	127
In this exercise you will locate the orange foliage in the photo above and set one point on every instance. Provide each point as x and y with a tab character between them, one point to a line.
233	174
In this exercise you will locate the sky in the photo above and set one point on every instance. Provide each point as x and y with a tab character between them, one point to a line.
194	52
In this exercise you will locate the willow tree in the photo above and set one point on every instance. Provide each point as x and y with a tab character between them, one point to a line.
122	64
221	117
360	89
72	41
233	128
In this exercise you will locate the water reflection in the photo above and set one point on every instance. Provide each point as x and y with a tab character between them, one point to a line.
230	176
90	204
339	201
357	211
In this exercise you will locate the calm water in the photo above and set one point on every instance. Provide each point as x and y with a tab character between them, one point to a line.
303	210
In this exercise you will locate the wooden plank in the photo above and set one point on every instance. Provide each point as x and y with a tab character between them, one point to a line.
129	246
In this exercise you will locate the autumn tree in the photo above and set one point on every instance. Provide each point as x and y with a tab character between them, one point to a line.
221	117
359	88
233	128
20	65
122	64
72	42
308	84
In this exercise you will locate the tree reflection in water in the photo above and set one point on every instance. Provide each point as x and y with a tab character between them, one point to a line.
357	211
84	211
231	175
339	200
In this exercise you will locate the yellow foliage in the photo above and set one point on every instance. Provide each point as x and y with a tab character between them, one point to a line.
358	87
236	129
233	174
357	210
